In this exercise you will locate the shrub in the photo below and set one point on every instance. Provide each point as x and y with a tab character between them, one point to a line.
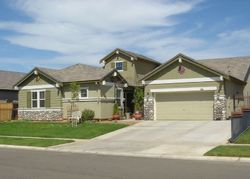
87	115
138	99
116	109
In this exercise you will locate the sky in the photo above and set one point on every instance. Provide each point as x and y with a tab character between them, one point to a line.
59	33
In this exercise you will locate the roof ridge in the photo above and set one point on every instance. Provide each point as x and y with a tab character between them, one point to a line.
82	64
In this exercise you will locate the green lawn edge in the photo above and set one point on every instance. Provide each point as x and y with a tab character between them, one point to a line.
87	130
229	151
32	142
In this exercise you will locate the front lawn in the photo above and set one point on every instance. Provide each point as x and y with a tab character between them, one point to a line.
32	142
86	130
230	151
244	138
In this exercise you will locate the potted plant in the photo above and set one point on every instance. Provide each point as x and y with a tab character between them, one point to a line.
138	99
116	112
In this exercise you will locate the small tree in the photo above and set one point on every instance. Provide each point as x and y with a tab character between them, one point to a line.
74	88
138	99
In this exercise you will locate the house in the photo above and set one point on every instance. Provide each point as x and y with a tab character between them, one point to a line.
45	94
7	81
132	67
180	89
188	89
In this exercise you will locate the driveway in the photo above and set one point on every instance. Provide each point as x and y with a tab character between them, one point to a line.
175	138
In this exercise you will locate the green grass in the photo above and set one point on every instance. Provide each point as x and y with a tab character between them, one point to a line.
230	151
244	138
32	142
86	130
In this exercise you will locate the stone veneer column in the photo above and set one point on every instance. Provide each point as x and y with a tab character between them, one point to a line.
220	107
40	115
148	108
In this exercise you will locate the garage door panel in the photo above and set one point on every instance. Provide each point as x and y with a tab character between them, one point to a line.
184	106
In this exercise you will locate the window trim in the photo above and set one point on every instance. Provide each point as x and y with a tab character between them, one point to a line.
122	65
87	90
38	98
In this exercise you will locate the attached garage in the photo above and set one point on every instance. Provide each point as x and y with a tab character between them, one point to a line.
184	89
184	106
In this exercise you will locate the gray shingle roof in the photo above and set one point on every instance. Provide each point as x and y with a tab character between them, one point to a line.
140	56
237	67
9	78
78	72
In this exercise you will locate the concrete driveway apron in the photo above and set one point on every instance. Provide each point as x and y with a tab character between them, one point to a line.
176	138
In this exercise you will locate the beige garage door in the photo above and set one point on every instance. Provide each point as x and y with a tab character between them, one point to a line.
184	106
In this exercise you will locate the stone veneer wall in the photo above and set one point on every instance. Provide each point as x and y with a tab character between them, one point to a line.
40	115
220	107
149	108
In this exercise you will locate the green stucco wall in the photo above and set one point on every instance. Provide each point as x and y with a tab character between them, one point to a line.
191	71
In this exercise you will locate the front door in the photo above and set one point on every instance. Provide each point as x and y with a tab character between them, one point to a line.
128	102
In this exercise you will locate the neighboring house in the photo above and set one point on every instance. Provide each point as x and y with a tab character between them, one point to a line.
44	94
7	81
187	89
132	67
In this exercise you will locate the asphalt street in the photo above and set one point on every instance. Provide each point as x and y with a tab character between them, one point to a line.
31	164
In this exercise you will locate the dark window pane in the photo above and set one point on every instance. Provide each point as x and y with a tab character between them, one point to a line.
119	65
34	104
42	103
34	95
42	94
83	93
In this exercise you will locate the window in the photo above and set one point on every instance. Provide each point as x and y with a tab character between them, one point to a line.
119	66
38	99
83	93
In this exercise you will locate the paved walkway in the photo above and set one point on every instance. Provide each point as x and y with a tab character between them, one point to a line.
159	138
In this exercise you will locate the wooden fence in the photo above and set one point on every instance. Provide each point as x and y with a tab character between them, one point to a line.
7	111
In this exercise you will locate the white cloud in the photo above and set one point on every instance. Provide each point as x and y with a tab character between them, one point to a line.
85	30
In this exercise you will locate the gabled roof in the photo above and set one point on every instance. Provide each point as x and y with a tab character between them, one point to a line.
78	72
184	57
130	54
237	67
9	78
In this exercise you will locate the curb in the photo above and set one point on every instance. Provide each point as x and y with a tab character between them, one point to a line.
178	157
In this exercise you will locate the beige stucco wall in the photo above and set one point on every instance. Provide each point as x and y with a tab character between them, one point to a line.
247	87
143	67
100	100
55	93
55	98
36	80
129	74
191	71
93	90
